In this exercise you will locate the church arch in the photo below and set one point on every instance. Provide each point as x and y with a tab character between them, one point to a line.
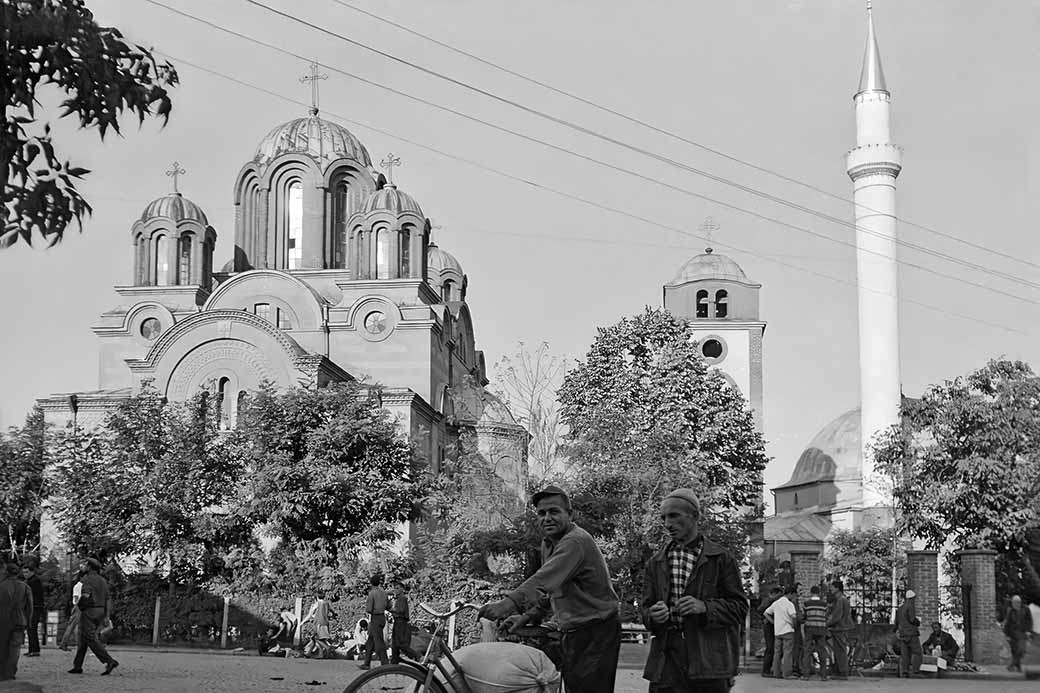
244	290
721	303
702	303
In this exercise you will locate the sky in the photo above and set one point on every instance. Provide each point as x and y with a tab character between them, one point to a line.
769	83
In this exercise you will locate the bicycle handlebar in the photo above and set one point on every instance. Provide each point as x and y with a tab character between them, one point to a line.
448	614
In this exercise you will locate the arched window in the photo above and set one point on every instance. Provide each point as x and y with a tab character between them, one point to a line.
796	499
224	400
284	323
721	303
162	261
141	266
362	259
262	310
446	290
406	252
184	268
295	220
348	198
702	304
240	405
382	254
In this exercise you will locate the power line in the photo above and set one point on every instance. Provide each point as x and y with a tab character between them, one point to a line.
638	150
588	202
605	164
669	133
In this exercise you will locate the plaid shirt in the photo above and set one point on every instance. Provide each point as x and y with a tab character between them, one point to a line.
681	561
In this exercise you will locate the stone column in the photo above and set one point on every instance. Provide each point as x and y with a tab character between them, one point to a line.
807	570
922	574
978	570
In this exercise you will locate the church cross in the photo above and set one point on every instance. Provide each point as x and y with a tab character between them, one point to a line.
174	173
708	228
313	78
389	163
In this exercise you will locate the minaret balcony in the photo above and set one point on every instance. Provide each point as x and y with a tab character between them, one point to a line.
874	159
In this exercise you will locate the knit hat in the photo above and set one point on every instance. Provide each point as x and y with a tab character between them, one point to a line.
687	495
910	594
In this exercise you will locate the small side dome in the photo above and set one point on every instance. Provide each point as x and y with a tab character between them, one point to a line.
390	199
176	207
709	265
438	260
319	139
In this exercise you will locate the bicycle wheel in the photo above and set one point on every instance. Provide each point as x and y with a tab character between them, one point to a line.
393	678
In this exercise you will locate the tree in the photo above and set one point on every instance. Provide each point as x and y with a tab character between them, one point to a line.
646	415
965	461
57	42
22	487
866	561
529	382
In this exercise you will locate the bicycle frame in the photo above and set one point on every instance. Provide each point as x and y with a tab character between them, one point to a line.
437	650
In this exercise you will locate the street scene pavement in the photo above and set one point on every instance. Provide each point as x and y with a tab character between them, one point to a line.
143	671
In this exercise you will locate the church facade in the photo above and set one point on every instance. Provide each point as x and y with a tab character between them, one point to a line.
334	278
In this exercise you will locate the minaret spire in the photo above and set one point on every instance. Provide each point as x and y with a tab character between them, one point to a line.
871	77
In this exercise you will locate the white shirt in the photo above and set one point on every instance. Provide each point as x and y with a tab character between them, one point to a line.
77	590
784	614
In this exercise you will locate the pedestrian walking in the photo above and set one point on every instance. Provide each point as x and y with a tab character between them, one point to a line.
401	637
693	603
70	636
768	633
36	588
908	630
16	606
784	615
93	608
814	619
839	623
574	574
377	605
1018	628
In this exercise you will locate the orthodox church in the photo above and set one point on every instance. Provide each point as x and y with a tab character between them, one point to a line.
334	277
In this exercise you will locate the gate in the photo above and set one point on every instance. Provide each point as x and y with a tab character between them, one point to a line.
966	597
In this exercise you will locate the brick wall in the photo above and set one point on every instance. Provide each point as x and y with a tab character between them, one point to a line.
807	570
922	573
978	570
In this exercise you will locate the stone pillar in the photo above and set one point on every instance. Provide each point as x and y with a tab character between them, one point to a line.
922	573
807	570
978	570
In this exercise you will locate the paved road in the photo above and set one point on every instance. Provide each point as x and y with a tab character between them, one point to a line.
194	672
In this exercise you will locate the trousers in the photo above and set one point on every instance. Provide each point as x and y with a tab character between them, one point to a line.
910	655
675	679
10	649
89	622
376	642
590	656
34	629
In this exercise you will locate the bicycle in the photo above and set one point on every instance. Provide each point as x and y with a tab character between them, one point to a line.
421	676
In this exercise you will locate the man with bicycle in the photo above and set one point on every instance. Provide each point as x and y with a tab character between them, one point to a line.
574	575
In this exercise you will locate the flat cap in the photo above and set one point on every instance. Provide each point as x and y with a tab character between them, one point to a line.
551	491
93	563
687	495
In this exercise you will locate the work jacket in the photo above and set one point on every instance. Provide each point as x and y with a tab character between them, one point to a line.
711	640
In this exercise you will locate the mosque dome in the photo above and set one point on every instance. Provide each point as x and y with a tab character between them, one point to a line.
710	265
390	199
319	139
176	207
438	261
833	454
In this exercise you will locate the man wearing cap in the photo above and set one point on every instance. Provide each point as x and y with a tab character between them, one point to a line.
908	630
575	577
693	603
16	606
93	607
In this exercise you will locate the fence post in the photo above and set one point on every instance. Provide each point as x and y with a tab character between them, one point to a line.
747	636
224	622
155	622
299	629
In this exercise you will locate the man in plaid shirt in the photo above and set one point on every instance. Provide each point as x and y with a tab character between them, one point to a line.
693	603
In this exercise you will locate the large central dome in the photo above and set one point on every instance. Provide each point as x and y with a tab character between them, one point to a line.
314	137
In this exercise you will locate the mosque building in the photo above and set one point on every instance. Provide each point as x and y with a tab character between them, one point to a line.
334	278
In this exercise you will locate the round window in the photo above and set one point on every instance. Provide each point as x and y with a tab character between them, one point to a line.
375	322
712	348
150	328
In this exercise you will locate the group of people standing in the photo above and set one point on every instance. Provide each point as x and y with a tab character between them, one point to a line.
818	622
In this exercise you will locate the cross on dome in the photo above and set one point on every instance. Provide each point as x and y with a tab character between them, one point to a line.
389	163
313	78
174	173
708	227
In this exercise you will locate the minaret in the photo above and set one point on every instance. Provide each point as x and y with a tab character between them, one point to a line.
873	166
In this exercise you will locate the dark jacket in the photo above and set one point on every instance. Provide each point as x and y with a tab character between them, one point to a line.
97	587
36	587
16	604
1018	624
711	639
840	615
906	620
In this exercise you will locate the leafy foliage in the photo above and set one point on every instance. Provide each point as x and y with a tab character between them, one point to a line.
57	42
646	415
966	465
22	487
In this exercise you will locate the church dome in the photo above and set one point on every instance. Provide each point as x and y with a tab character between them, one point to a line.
438	261
834	453
390	199
176	207
314	137
710	265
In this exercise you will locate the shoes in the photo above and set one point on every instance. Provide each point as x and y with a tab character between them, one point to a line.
767	675
364	666
75	671
32	654
112	664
